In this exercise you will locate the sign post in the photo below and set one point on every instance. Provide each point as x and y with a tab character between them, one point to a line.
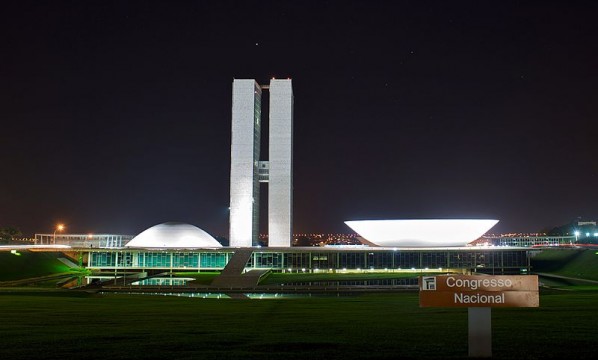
479	293
479	331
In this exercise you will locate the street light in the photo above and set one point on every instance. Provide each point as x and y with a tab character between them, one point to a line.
59	227
576	235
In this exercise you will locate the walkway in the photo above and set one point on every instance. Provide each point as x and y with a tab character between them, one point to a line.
234	275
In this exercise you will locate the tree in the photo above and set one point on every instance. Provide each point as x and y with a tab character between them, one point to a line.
9	233
303	241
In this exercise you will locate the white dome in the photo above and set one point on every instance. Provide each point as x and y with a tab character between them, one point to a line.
173	235
421	232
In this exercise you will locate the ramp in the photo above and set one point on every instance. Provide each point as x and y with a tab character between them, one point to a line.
233	275
248	280
68	263
236	264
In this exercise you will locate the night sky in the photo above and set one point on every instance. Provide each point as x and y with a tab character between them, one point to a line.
116	115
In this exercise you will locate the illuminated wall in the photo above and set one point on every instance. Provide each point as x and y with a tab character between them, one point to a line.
482	260
246	164
245	154
280	186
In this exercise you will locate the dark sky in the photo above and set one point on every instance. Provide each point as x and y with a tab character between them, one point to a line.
115	115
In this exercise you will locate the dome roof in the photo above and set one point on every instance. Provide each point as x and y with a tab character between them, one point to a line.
174	235
421	232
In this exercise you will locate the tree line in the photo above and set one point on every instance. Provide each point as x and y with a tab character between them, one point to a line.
8	234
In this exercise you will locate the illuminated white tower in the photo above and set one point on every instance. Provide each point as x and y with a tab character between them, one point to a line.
280	159
247	171
245	154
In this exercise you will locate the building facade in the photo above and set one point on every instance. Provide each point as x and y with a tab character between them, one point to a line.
317	259
280	159
247	171
84	240
245	155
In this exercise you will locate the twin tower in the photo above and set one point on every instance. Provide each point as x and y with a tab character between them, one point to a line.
247	171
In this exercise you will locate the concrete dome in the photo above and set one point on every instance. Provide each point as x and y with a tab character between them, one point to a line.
421	232
174	235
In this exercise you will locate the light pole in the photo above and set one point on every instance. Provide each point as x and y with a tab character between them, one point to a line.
59	227
576	235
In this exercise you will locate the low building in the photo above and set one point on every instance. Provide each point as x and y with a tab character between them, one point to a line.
106	241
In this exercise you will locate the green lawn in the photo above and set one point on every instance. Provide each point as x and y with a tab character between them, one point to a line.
582	264
204	278
30	264
285	278
63	325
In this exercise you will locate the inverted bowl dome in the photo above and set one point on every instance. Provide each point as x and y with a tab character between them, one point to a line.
421	232
173	235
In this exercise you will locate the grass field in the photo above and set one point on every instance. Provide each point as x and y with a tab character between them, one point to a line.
280	278
204	278
582	264
27	264
62	324
66	325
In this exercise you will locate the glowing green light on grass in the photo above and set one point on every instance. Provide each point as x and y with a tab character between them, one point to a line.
14	252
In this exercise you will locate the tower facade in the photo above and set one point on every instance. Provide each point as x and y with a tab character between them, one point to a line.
280	159
245	155
247	171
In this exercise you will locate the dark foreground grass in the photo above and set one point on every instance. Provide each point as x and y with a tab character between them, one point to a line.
575	263
29	265
203	278
285	278
69	325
